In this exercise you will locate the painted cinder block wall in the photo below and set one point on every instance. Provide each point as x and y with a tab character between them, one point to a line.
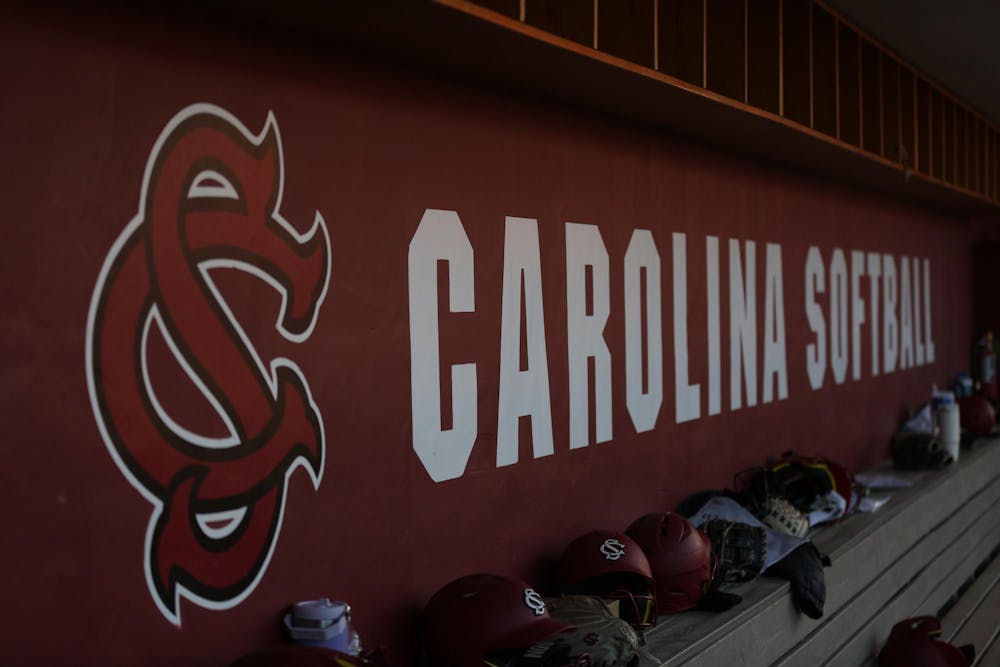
96	105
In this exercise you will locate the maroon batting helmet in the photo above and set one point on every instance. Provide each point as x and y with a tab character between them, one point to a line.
611	565
913	643
680	557
977	415
481	614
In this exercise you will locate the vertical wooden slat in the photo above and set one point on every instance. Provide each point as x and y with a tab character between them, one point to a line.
704	44
627	29
929	113
746	63
725	48
990	163
961	178
967	147
954	142
680	29
899	111
511	8
869	75
836	73
656	34
980	156
942	138
781	58
996	165
994	174
916	125
848	85
975	153
934	137
881	106
890	109
572	19
763	55
922	124
861	99
987	146
907	118
994	190
596	19
983	148
796	62
825	70
812	84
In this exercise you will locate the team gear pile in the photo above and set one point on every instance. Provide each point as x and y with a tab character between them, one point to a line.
804	480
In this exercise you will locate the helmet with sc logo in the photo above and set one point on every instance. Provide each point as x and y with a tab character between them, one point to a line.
610	565
479	615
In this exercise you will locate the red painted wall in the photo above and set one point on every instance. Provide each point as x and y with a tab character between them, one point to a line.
371	147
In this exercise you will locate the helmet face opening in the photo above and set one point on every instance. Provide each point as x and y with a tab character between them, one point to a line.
635	595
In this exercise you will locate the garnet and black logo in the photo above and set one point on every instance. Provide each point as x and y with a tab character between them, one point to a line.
210	202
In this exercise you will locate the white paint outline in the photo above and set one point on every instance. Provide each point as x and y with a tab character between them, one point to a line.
231	440
319	224
232	519
223	189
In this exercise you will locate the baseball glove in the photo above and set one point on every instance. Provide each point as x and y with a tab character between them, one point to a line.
738	548
778	514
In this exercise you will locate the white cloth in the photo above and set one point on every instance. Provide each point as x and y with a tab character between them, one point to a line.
828	507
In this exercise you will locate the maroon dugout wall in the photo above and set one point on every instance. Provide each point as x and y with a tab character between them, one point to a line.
231	259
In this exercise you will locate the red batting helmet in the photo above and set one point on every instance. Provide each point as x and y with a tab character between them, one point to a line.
484	613
680	557
611	565
913	643
977	415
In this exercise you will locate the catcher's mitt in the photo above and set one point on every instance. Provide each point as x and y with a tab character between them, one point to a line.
738	549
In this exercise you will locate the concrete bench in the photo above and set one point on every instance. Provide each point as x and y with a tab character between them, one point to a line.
908	559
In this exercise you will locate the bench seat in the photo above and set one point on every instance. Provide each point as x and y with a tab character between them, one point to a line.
975	616
907	559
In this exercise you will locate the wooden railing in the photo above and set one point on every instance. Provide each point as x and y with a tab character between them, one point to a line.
797	62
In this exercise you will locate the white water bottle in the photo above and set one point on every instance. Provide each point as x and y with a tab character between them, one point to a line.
948	423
